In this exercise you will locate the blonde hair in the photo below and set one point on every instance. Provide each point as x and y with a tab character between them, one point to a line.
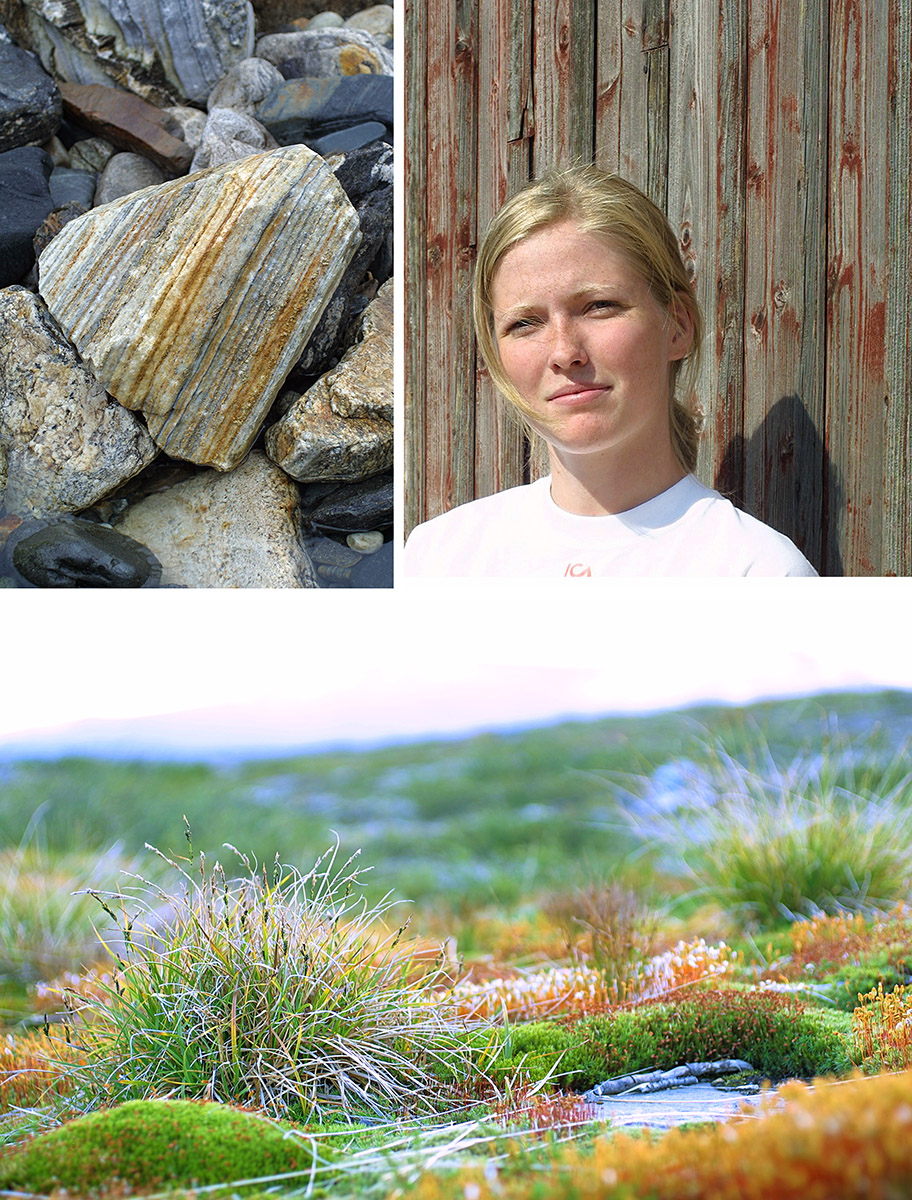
612	208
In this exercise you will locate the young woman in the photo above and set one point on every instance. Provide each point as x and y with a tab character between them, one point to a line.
585	318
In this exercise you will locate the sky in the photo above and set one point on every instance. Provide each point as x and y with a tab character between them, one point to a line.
279	669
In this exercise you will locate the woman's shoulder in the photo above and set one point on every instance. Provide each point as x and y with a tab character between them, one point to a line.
764	550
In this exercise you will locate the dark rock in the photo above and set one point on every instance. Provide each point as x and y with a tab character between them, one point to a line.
330	340
30	108
364	171
302	109
343	141
70	186
72	553
374	570
364	505
55	221
25	200
129	122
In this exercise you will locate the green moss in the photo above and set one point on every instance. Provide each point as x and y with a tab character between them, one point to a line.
779	1037
848	983
154	1143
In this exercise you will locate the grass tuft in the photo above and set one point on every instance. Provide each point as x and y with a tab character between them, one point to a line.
277	990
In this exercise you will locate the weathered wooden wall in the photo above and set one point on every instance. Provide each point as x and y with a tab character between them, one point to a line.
777	138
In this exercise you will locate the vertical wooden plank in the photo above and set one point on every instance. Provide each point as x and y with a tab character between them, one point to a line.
856	384
656	63
897	481
564	48
706	208
505	126
607	93
415	272
785	270
450	203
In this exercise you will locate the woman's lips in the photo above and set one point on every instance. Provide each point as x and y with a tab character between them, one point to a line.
583	394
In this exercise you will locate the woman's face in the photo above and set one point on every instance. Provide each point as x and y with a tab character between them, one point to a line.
585	343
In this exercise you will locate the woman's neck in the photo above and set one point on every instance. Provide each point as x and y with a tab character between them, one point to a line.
595	485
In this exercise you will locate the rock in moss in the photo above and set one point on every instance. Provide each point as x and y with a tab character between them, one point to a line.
154	1143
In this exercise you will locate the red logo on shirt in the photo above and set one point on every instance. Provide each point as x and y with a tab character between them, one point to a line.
575	570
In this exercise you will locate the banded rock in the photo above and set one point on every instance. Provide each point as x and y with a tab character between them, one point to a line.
162	50
191	301
67	443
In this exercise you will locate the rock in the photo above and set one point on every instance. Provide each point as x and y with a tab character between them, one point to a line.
59	154
230	135
245	85
343	141
303	109
66	441
4	472
324	552
162	50
362	171
191	120
314	54
368	542
30	108
54	222
191	301
377	21
362	384
312	442
25	200
126	173
326	20
235	530
70	186
91	154
71	553
127	122
357	506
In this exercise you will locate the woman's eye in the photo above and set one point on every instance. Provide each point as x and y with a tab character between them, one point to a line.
605	305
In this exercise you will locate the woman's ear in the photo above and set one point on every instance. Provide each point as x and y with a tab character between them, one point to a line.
682	332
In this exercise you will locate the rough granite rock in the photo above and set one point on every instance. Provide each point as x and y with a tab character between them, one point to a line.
163	50
229	135
67	443
128	122
312	442
245	85
191	120
362	384
235	530
313	54
376	20
191	301
30	109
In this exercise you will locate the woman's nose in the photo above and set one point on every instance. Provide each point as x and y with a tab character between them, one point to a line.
567	346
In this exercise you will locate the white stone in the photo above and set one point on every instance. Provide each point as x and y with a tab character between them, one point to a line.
368	542
234	530
229	135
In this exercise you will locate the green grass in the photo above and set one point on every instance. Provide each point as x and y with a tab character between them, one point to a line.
277	989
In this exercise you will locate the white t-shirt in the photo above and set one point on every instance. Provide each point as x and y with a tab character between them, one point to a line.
689	530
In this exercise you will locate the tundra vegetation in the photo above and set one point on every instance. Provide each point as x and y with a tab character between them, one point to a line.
589	901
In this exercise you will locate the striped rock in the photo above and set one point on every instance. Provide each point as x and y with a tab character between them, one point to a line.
192	300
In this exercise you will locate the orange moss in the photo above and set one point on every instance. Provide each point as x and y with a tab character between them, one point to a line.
833	1141
33	1066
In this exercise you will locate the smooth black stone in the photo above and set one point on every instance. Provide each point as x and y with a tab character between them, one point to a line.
30	104
367	504
302	109
70	553
71	186
333	333
343	141
25	200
